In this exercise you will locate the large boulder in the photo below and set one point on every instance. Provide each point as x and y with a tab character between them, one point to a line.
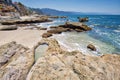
8	27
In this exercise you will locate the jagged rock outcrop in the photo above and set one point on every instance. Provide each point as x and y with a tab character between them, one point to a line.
15	61
62	65
17	9
6	6
22	9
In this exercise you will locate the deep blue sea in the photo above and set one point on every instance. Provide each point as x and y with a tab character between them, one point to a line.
105	33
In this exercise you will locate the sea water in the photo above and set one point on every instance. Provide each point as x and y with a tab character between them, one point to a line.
105	34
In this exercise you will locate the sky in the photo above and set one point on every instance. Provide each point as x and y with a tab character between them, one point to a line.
99	6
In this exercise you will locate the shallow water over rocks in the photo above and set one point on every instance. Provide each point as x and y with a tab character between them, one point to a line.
40	51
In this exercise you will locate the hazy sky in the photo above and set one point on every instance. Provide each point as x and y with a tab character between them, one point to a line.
100	6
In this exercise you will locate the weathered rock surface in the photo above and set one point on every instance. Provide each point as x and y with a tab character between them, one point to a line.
61	65
9	27
15	61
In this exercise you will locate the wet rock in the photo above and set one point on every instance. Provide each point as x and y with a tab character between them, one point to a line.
46	35
53	27
78	30
8	27
91	47
83	19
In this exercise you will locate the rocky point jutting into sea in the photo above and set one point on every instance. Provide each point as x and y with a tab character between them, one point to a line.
38	47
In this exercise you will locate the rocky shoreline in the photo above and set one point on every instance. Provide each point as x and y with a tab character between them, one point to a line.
17	63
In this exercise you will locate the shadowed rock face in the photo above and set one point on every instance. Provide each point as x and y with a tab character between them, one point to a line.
61	65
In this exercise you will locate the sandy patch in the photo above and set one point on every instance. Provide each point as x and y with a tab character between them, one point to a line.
27	38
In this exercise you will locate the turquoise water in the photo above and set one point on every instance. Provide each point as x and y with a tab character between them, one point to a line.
105	28
105	31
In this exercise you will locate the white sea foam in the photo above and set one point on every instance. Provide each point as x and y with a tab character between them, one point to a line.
118	31
75	41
